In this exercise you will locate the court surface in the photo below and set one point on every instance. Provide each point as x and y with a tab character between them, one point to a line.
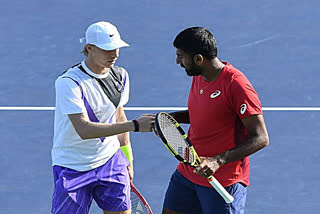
275	43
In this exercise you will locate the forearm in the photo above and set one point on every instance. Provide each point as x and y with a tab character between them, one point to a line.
89	130
124	138
181	116
125	144
244	149
258	139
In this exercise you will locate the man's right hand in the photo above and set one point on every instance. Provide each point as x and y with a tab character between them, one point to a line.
146	122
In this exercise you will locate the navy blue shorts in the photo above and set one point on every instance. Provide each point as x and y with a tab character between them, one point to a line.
186	197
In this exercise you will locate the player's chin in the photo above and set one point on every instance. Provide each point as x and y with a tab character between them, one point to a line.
192	73
189	73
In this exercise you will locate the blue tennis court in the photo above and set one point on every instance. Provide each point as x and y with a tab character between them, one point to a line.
273	42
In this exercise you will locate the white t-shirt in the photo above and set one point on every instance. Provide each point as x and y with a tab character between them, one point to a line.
69	150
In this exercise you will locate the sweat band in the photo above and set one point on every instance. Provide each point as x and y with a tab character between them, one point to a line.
136	125
126	149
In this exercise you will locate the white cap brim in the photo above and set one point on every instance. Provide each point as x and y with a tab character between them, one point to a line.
112	46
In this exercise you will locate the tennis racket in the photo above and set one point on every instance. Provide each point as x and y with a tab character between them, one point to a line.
139	204
178	143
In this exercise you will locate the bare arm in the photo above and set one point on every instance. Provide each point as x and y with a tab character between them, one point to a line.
124	138
88	130
258	139
181	116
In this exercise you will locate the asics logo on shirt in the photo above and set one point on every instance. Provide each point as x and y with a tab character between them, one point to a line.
215	94
243	108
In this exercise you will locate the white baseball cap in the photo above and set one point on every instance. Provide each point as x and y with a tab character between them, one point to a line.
104	35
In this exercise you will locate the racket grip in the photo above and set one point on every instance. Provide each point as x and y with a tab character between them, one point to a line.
220	189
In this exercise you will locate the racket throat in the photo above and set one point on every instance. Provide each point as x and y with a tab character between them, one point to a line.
187	154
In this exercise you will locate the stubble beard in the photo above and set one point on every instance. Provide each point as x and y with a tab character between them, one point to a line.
194	70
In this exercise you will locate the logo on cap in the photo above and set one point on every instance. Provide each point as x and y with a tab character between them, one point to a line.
104	35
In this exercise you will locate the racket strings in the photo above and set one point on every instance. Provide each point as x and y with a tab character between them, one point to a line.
137	206
175	138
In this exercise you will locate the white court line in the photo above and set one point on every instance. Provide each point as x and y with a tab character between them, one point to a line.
26	108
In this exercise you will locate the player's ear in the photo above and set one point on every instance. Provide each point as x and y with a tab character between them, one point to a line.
89	48
198	59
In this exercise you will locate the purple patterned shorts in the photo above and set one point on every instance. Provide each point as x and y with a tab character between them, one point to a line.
108	185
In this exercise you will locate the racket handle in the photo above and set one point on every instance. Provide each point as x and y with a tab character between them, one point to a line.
220	189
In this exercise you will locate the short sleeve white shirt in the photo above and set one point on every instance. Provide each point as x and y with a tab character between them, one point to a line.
69	150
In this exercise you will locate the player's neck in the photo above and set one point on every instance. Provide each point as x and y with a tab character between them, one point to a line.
94	67
212	70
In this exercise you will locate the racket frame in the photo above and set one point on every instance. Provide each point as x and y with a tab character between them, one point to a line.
212	180
140	196
196	161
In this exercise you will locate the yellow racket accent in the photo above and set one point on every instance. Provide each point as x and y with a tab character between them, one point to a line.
170	132
197	160
171	149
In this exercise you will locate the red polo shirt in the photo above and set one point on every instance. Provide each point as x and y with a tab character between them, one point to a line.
215	122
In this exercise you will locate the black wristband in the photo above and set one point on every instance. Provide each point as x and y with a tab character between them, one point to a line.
136	125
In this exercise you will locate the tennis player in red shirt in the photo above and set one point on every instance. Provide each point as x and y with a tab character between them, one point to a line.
226	126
